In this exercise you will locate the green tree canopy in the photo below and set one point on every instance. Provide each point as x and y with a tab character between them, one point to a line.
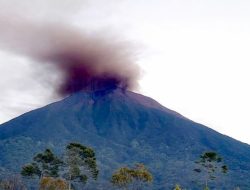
211	164
80	163
77	165
44	164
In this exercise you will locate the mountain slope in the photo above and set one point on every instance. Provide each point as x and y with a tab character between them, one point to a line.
124	127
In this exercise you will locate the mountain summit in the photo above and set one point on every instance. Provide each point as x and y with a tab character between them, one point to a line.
124	127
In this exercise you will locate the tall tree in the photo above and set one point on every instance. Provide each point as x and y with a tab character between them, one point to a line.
211	164
79	164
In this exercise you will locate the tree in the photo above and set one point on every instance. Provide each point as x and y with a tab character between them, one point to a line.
49	183
79	164
122	178
177	187
211	164
136	177
44	164
31	170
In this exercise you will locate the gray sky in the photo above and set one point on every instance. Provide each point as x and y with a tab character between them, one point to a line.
194	55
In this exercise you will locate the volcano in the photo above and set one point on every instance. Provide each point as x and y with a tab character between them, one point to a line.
124	128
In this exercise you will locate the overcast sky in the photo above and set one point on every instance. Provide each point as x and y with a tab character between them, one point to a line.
194	55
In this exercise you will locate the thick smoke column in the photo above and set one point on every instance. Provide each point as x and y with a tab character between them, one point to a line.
86	61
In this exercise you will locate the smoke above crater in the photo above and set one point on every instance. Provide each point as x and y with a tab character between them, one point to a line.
86	61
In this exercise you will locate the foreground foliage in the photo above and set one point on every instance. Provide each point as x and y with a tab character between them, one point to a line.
177	187
44	164
77	166
211	164
132	178
12	183
49	183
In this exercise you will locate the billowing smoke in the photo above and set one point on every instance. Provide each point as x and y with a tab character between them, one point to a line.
86	61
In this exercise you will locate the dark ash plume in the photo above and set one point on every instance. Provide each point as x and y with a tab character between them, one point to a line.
87	62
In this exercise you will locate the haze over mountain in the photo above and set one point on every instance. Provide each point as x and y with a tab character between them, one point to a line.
124	127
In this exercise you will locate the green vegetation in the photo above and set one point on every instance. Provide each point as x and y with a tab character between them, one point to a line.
78	166
44	164
177	187
135	178
49	183
211	164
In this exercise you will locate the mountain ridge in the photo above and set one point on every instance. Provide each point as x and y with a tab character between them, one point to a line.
123	127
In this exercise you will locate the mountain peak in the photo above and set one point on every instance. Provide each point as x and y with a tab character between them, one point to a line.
124	95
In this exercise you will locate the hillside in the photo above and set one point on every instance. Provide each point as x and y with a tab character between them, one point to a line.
124	127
